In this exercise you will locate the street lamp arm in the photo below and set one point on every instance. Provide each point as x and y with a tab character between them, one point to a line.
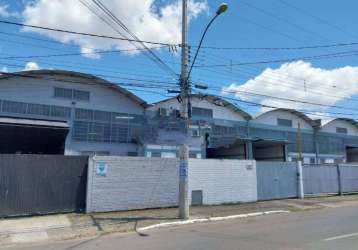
200	43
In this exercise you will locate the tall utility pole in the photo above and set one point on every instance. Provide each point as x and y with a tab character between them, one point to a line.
184	113
185	107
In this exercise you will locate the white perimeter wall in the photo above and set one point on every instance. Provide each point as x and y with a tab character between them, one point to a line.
223	181
132	183
137	183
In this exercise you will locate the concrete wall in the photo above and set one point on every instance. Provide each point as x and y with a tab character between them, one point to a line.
132	183
138	183
223	181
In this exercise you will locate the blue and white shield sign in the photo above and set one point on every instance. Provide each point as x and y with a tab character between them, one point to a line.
101	168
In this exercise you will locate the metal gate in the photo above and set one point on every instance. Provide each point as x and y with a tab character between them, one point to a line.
320	179
349	177
42	184
276	180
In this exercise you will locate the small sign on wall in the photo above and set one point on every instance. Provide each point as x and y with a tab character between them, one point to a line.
183	169
249	167
101	168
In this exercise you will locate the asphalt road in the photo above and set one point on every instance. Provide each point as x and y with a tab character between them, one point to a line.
334	228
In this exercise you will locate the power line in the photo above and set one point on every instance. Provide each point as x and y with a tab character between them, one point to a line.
67	64
314	57
309	112
286	99
283	48
75	54
150	86
149	53
282	19
168	83
274	76
85	34
162	87
317	18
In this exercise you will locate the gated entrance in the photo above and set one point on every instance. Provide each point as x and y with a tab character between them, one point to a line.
276	180
320	179
42	184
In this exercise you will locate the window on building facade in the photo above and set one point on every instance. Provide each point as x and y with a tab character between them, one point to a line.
63	93
340	130
32	109
81	95
195	132
168	155
284	122
71	94
192	155
223	130
156	154
58	111
14	107
202	112
101	126
38	109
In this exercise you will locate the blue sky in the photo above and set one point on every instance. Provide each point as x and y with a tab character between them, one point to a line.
247	24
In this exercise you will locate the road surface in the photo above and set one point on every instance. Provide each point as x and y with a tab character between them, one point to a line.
333	228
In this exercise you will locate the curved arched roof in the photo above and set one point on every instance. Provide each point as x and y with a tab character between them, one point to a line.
351	121
94	79
312	122
217	101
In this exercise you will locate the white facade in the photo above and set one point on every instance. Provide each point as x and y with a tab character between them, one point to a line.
223	181
331	127
219	112
270	118
132	183
40	89
35	90
137	183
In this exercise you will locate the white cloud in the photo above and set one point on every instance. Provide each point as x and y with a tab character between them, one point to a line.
300	81
145	19
32	66
4	12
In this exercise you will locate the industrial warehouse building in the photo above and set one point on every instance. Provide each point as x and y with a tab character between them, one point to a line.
63	112
224	131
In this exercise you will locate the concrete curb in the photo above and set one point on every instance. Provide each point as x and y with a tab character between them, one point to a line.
211	219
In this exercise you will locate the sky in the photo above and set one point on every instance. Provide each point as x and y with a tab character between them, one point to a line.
259	54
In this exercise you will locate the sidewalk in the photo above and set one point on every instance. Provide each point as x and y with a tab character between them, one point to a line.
70	226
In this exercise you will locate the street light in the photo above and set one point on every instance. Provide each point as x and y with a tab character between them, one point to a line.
222	8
